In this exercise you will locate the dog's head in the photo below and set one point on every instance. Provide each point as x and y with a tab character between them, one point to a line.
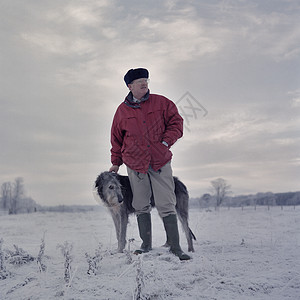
109	189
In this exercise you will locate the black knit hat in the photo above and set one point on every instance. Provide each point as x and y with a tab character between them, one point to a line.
134	74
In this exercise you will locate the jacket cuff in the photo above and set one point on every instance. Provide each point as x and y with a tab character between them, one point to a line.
117	162
168	141
165	143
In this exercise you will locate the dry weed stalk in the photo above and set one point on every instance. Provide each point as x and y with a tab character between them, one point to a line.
40	258
3	272
139	280
94	261
19	256
66	250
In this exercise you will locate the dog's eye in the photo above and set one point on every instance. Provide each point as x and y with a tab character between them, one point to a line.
111	187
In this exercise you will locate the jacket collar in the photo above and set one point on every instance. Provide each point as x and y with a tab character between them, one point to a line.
131	103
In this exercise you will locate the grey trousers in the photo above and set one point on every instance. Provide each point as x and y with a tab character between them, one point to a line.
160	184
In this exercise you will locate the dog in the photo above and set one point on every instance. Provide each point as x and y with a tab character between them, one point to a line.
115	192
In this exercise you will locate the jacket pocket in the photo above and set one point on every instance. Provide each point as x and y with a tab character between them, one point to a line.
160	151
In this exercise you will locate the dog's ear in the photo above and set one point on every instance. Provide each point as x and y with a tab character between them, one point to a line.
99	185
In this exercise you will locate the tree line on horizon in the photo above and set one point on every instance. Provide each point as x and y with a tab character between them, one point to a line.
220	196
14	201
266	199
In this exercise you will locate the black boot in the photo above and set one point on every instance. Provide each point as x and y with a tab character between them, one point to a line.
144	224
171	227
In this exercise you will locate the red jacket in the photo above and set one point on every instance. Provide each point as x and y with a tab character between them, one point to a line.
138	131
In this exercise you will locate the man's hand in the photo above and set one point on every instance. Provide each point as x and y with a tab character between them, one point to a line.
114	168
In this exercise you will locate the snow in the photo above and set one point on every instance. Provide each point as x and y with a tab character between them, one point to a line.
239	254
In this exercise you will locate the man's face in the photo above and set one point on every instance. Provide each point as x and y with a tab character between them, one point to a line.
139	87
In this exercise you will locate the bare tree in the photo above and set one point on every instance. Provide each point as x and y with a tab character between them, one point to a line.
205	199
221	190
13	198
6	195
18	192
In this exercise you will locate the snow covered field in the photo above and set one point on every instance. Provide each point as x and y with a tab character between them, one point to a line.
239	254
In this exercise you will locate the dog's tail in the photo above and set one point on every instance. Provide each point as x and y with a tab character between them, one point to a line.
192	234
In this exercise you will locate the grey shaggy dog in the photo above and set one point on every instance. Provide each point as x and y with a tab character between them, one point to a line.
115	191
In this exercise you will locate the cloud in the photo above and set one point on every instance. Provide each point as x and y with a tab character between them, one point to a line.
179	39
245	147
62	79
295	98
57	44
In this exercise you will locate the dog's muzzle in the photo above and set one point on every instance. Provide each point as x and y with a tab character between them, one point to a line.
120	199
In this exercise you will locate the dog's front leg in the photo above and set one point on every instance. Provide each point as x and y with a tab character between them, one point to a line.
123	229
116	215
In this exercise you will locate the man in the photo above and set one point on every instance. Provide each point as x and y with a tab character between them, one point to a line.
144	128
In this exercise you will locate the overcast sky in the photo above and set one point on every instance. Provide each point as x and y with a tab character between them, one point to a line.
61	72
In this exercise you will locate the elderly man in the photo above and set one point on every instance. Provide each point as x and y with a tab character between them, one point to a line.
144	128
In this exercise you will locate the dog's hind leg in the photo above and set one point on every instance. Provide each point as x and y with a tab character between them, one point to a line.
182	209
188	232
